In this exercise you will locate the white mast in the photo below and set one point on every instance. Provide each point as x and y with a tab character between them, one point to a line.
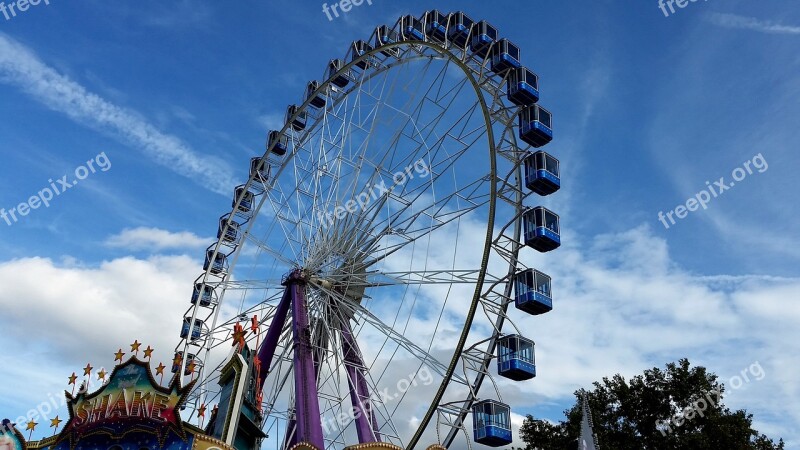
586	440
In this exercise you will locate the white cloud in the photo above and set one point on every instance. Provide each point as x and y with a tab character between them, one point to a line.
57	318
272	121
516	422
155	239
178	14
21	67
621	306
751	23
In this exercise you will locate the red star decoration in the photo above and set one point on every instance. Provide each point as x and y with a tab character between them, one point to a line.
254	325
238	335
202	410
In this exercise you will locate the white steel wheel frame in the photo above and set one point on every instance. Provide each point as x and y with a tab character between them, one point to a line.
502	244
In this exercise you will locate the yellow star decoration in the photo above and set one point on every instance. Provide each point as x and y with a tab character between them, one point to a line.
72	378
55	422
160	369
31	426
88	369
176	360
135	346
148	352
191	366
118	356
101	375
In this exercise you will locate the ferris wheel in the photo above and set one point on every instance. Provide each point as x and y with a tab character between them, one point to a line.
365	271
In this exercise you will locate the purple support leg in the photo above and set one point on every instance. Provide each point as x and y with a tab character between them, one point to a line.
366	422
267	350
291	434
309	426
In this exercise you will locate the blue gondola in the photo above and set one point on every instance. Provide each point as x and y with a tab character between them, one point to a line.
231	233
542	229
296	118
317	100
542	173
436	25
248	198
219	263
535	125
505	55
516	358
279	143
411	29
259	169
483	36
532	292
192	358
202	292
179	358
359	49
459	26
384	36
198	326
339	79
491	423
523	87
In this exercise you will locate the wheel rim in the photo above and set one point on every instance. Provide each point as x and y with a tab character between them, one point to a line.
333	268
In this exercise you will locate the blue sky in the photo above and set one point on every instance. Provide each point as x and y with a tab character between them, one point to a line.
647	108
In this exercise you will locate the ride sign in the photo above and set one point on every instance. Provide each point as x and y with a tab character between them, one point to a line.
130	400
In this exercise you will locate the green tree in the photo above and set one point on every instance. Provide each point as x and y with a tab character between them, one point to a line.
678	408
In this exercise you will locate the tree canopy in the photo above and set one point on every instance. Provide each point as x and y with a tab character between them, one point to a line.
677	408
